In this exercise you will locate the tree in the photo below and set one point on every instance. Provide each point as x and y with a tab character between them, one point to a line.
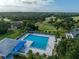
37	55
68	49
30	54
32	27
4	27
68	23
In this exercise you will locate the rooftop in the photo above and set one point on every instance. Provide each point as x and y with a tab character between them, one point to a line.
75	31
7	45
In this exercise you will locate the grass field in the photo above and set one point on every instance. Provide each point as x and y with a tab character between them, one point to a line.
76	18
45	27
13	35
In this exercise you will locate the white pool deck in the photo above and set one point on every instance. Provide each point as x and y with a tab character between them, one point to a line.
49	48
27	45
23	37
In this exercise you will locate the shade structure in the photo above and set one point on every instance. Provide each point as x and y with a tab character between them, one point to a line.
7	46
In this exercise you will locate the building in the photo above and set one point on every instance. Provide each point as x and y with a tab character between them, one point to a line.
15	24
9	47
73	33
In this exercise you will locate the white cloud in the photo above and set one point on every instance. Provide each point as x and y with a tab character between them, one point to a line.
7	2
24	5
37	1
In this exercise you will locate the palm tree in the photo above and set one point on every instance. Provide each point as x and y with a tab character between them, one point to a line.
30	54
37	56
57	26
44	55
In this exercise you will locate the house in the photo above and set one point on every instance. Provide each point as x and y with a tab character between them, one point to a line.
73	33
15	24
9	47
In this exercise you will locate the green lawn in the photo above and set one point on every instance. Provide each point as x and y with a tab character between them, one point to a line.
46	27
11	35
76	18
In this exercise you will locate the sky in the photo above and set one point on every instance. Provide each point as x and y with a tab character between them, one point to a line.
39	5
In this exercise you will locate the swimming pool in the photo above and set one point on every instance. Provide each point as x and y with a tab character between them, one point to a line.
39	42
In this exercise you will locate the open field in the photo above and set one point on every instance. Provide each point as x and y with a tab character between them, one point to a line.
11	35
76	18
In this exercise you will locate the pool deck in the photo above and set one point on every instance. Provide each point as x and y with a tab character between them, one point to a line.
28	43
49	48
23	37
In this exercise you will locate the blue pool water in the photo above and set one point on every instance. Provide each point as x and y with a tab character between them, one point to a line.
39	42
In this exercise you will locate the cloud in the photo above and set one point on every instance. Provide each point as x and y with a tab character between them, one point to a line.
29	1
7	2
18	2
25	5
